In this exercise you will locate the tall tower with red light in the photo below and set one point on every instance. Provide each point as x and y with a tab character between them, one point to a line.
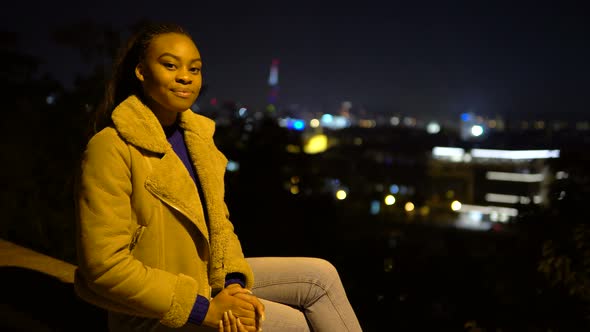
273	83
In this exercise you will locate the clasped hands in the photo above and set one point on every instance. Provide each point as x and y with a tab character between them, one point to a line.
235	309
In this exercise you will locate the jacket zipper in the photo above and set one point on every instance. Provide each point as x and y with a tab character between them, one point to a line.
147	159
177	209
170	204
164	199
136	236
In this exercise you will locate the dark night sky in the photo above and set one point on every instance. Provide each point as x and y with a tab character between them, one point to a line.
422	59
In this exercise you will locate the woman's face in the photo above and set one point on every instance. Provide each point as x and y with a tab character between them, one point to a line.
170	75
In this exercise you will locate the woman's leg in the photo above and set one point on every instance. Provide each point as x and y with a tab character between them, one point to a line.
281	317
311	285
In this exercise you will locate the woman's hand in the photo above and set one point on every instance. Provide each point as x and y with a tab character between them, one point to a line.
225	301
258	307
230	323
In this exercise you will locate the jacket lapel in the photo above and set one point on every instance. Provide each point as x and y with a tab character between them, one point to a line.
171	182
210	165
169	179
208	171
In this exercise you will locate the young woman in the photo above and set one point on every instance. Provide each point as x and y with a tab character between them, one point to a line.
155	244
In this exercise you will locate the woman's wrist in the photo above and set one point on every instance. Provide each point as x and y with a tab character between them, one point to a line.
199	310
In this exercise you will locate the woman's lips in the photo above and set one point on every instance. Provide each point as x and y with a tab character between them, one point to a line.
182	93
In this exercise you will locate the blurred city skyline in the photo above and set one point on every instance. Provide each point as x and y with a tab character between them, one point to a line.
433	61
478	223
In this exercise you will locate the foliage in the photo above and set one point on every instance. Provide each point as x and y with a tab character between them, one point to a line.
566	264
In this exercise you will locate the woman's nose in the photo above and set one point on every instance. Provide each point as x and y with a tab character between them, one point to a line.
183	76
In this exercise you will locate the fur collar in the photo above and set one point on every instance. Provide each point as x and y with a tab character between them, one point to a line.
138	125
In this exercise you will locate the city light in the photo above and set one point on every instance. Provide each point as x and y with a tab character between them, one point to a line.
50	100
511	199
341	194
410	121
375	207
456	206
454	154
433	128
367	123
299	125
458	154
476	130
389	200
273	77
561	175
502	198
314	123
394	189
232	166
293	124
514	154
472	221
514	177
409	207
511	212
334	121
316	144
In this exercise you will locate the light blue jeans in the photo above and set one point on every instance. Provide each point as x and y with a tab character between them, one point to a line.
299	294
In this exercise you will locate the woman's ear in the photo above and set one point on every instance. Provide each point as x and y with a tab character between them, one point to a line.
139	72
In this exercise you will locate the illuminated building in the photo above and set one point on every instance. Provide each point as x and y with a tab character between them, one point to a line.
492	184
273	83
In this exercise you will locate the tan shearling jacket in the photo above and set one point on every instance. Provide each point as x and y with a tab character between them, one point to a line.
144	246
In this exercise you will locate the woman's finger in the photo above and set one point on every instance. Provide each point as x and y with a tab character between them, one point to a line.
247	321
244	313
226	323
258	306
237	290
253	300
232	322
241	327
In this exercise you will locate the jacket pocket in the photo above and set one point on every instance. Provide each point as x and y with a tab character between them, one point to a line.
136	237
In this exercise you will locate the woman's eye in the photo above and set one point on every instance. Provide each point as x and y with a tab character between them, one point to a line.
195	70
169	65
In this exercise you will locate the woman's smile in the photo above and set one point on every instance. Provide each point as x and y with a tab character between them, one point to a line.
182	93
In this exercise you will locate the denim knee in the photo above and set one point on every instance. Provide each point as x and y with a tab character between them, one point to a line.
320	274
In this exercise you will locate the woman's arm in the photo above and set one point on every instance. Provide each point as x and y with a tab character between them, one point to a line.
105	230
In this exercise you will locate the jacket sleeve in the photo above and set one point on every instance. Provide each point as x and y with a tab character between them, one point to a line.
108	275
233	256
234	261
